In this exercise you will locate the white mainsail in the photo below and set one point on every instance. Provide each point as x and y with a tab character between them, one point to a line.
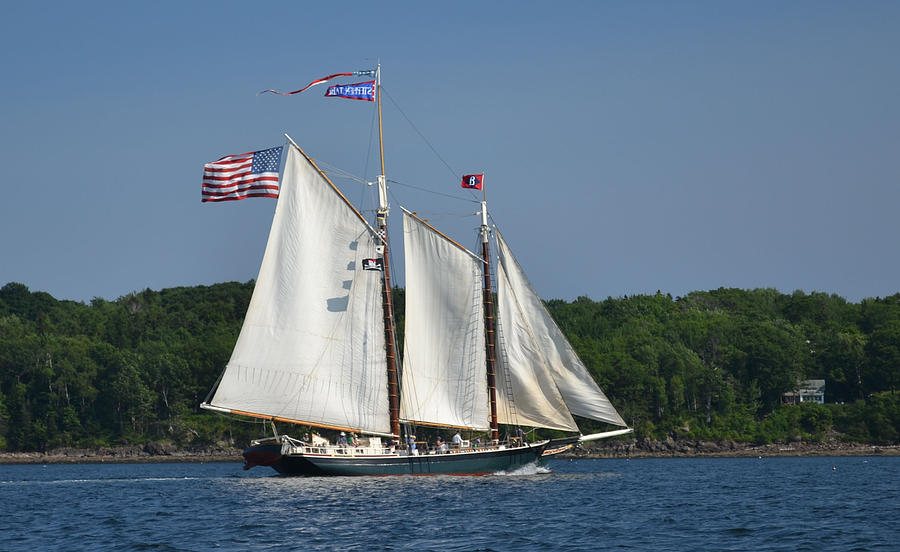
548	381
312	345
444	377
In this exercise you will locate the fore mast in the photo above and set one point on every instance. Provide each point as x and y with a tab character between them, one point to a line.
489	341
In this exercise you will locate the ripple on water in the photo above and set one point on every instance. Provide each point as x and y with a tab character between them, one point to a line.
726	504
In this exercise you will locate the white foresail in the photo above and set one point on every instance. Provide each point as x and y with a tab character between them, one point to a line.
444	376
534	398
312	345
547	379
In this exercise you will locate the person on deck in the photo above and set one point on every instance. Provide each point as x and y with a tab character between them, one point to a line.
457	441
521	436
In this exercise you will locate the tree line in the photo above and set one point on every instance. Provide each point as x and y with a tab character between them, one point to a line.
709	365
714	364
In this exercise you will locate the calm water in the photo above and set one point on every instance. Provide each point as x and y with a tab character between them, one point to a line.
671	504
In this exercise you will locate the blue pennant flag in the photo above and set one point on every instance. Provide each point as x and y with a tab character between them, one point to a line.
359	91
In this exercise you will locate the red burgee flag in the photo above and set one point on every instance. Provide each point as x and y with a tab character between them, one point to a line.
367	73
473	181
252	174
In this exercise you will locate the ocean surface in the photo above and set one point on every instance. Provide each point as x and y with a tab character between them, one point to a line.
758	504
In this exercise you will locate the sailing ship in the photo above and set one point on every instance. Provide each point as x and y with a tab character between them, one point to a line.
317	346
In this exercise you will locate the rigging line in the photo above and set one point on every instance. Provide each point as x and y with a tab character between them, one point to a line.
502	357
372	127
422	136
509	402
433	192
337	172
340	173
455	174
397	358
393	196
433	215
493	228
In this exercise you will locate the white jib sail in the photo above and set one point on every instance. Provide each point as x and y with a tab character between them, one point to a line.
444	375
526	391
536	347
312	345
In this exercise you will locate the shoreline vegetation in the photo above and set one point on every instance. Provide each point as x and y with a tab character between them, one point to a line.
706	374
157	453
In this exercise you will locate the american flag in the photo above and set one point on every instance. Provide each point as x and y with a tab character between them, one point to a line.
253	174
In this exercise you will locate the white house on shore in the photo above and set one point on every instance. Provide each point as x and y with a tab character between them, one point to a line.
806	391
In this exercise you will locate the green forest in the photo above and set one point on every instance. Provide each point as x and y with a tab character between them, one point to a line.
710	365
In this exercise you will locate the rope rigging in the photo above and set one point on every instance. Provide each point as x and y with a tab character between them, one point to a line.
341	173
422	136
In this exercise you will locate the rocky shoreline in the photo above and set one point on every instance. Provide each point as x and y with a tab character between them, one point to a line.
149	453
672	448
633	448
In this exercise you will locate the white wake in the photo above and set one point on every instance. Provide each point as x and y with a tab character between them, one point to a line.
528	469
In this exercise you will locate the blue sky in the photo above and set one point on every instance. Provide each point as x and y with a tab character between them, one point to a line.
629	147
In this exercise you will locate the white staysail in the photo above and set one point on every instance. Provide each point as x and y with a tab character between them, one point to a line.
312	345
548	381
444	377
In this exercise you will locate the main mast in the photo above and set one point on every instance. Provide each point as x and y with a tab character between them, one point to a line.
387	299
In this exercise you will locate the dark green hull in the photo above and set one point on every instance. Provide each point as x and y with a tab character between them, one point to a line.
480	462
